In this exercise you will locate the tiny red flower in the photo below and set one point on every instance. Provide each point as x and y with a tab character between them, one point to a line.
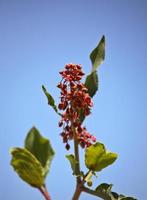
74	98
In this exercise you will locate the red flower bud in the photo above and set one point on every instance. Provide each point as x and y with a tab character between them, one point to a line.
67	146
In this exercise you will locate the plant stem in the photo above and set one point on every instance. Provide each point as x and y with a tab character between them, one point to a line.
77	192
77	167
45	193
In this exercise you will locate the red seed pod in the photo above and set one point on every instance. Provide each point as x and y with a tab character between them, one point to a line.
93	138
78	67
81	73
62	72
61	106
65	139
79	129
82	144
67	146
78	78
74	97
72	84
60	123
67	128
88	144
67	66
59	85
65	104
87	111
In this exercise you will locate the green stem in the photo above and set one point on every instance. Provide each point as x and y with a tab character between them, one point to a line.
77	167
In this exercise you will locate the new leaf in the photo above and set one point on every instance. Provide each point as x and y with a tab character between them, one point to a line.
97	56
72	161
50	99
27	167
97	158
91	83
40	147
104	191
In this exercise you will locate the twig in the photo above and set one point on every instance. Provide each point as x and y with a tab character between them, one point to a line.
45	193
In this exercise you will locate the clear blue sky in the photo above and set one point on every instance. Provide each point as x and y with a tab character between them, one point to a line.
37	38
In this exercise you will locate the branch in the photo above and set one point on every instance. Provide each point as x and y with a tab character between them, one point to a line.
77	192
78	189
45	193
77	166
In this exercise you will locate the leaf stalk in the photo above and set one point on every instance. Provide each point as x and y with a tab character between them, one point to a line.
45	192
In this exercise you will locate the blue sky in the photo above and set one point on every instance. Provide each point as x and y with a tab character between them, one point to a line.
37	38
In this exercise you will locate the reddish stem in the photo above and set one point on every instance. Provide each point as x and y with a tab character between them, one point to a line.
45	193
77	193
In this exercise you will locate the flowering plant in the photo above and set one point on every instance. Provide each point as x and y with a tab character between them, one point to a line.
32	163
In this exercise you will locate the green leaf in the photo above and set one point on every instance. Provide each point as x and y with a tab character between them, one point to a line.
106	160
72	161
27	167
96	157
120	196
114	195
97	56
40	147
51	100
127	198
91	83
103	191
104	187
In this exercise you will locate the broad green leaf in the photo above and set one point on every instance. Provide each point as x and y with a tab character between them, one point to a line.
51	100
97	56
72	161
27	167
107	159
96	157
91	83
40	147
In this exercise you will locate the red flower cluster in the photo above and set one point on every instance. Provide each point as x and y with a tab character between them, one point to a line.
74	98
